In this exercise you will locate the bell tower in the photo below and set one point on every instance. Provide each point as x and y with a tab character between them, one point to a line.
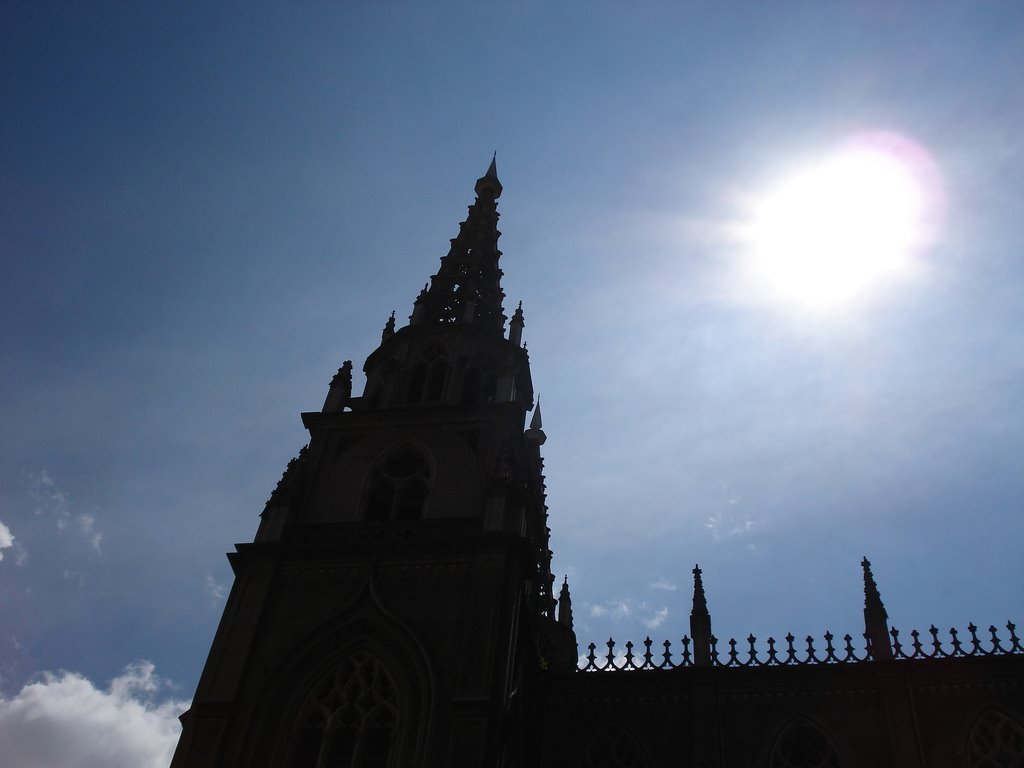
396	603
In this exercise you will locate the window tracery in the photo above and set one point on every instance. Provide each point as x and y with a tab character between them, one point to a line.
349	720
996	741
399	486
613	747
479	382
803	745
429	376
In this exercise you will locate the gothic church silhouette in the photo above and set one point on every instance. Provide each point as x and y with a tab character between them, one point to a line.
397	610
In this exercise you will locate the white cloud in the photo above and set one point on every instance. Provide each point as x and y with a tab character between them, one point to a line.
64	720
6	539
664	584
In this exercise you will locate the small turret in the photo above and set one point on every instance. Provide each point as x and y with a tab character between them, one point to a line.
876	620
700	622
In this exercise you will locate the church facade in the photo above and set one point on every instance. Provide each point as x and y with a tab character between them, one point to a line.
397	606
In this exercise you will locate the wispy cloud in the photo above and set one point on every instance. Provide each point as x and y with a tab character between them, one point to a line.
51	501
657	619
724	526
63	719
215	590
621	609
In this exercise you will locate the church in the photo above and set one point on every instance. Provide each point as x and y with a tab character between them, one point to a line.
397	607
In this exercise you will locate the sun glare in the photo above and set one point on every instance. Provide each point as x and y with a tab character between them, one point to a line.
836	229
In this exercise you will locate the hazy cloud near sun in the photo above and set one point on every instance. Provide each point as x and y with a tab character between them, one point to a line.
63	719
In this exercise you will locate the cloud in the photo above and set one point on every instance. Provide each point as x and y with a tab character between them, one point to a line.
87	527
664	584
65	720
53	502
6	539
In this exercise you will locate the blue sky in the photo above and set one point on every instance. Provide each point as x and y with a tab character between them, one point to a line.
204	209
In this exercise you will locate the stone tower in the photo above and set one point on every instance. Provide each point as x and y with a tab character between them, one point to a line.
396	604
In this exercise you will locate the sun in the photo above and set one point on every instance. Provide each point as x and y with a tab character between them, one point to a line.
831	232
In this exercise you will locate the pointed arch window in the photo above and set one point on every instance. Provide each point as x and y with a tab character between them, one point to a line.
349	720
996	741
803	745
428	376
613	747
399	486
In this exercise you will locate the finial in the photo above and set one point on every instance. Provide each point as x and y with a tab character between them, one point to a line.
700	602
872	597
700	622
536	421
565	604
340	390
515	328
876	620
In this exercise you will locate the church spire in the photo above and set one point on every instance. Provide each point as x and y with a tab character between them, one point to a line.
467	287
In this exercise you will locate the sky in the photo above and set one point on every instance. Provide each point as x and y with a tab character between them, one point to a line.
204	210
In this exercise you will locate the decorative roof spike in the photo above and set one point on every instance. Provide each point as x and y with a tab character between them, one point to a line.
565	604
389	328
876	620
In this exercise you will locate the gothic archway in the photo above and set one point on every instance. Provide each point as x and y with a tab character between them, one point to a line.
996	740
802	744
